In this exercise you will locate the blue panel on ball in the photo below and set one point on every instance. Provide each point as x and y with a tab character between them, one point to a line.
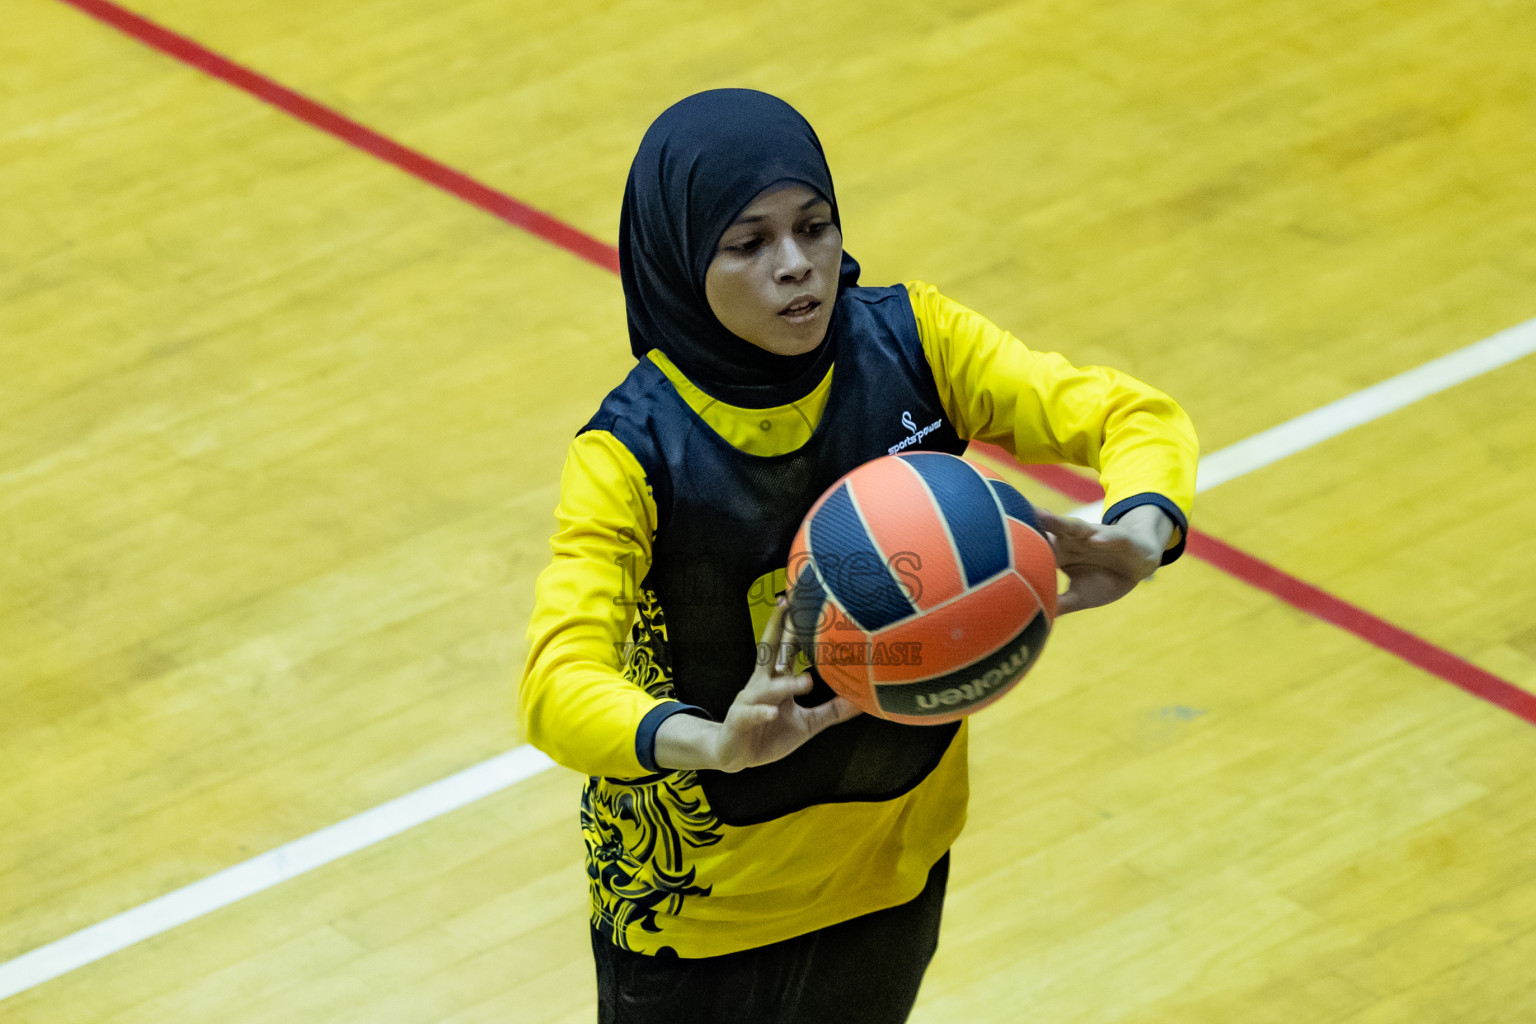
1016	505
806	603
966	501
850	564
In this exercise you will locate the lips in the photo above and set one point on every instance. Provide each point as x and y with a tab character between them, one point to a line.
802	307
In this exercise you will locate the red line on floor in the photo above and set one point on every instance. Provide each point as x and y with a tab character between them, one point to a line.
1295	592
333	123
1413	649
1313	600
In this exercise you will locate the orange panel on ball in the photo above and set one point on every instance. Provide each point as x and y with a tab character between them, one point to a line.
959	633
841	657
1033	557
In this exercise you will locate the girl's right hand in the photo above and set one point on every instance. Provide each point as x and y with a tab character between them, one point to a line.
763	723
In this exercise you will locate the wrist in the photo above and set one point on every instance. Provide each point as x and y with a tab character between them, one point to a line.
1172	543
687	743
1151	529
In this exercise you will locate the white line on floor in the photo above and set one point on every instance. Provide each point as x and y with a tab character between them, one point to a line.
268	869
1372	403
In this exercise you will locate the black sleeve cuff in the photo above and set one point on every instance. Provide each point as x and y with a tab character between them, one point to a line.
645	736
1172	511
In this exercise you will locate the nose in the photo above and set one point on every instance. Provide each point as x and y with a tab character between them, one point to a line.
793	263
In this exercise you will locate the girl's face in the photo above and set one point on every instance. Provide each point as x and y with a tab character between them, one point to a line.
774	276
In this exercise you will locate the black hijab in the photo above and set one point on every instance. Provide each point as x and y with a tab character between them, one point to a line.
701	162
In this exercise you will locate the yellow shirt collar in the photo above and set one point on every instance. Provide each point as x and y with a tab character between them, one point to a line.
763	432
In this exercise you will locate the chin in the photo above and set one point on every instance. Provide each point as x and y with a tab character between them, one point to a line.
795	343
798	347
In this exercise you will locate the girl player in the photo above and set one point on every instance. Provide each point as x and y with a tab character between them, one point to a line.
758	851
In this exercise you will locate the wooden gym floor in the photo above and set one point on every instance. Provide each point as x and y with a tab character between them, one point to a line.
280	429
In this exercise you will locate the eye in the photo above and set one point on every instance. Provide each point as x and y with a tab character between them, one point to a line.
745	247
816	227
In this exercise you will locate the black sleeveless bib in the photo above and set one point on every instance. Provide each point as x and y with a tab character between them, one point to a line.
726	519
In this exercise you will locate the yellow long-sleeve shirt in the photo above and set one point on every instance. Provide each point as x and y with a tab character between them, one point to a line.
587	695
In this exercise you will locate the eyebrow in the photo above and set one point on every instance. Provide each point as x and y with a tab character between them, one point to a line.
804	206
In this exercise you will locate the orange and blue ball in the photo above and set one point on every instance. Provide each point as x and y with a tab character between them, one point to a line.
921	587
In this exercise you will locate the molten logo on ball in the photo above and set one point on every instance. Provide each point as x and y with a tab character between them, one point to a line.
960	693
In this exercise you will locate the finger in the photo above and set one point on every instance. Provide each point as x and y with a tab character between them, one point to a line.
787	642
1068	602
776	689
772	627
844	709
1092	587
1064	526
1068	537
823	716
1082	587
1091	593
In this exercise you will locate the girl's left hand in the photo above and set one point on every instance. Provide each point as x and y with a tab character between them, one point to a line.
1104	563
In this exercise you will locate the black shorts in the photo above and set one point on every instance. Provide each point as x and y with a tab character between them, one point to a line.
863	971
